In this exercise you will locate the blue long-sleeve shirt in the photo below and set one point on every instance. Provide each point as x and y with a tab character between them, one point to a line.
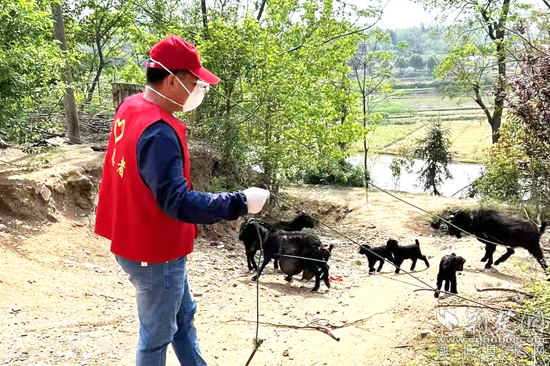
160	164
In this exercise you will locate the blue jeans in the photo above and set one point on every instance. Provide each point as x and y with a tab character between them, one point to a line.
166	309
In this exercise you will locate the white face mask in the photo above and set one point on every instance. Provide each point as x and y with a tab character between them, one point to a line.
195	98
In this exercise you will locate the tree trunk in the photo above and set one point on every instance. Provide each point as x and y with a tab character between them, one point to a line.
366	169
122	91
495	126
495	119
366	152
262	7
204	18
73	129
501	82
365	162
498	109
100	67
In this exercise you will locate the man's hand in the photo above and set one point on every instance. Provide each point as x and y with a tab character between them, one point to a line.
255	198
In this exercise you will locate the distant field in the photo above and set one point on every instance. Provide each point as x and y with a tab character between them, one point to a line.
405	120
420	101
468	138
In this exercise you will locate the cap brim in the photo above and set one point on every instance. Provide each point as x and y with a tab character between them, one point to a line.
205	75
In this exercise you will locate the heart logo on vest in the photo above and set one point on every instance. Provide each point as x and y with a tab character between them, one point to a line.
119	129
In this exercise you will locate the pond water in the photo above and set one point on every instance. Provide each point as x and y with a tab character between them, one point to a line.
463	175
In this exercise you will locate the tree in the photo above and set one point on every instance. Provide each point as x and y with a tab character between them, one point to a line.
403	161
432	62
434	150
288	73
492	18
529	103
515	171
229	51
73	128
394	38
402	63
204	18
30	62
421	41
372	71
416	61
415	39
529	97
102	27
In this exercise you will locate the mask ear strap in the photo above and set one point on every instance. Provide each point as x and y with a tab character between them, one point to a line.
165	68
165	97
161	65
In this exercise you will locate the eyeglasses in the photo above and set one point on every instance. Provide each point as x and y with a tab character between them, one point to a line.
203	85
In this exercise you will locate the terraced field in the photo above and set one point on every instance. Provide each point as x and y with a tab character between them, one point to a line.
406	119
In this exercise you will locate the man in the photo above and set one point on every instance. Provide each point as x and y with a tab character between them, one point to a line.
147	207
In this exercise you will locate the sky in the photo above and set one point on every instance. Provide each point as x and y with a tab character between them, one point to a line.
405	13
401	14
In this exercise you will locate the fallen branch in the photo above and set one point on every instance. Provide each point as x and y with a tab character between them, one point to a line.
326	327
292	326
464	298
8	163
344	325
460	306
503	289
109	297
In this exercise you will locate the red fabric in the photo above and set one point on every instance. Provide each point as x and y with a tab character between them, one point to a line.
127	212
175	53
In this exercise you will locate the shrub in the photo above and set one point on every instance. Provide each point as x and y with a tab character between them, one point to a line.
435	151
344	174
512	175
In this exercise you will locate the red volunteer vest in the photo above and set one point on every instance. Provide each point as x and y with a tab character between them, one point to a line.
127	212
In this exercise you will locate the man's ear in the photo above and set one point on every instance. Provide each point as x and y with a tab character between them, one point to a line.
171	80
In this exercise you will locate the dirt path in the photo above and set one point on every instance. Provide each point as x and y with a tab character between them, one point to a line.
66	302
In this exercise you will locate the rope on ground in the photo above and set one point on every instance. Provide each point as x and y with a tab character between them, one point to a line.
257	341
430	287
356	243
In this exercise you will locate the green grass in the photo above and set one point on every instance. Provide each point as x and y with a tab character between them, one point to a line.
419	100
386	137
469	139
405	119
392	106
431	101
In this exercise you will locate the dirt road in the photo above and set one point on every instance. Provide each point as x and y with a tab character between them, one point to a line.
66	302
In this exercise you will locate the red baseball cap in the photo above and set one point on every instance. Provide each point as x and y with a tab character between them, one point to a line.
175	53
